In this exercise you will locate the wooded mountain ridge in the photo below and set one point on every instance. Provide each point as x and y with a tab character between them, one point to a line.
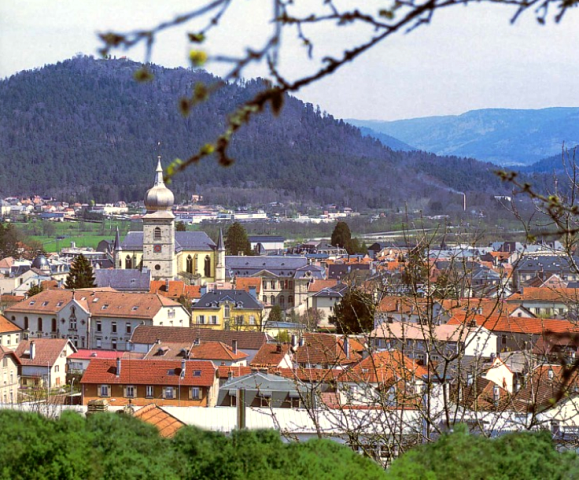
85	129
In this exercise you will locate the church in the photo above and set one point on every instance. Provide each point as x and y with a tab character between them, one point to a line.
169	254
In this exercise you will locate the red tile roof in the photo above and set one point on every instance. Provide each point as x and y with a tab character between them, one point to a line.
319	285
535	326
176	289
270	355
47	350
198	373
6	326
327	349
243	283
546	294
384	367
85	354
149	334
166	423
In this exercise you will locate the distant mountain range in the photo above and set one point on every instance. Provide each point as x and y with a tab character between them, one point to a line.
500	136
83	130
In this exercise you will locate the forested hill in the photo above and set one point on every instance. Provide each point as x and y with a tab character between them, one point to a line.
84	129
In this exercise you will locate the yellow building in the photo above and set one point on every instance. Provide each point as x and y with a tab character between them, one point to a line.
228	310
166	253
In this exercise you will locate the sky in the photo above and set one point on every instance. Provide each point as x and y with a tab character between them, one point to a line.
468	57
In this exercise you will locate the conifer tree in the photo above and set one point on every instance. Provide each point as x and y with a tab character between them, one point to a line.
81	274
236	241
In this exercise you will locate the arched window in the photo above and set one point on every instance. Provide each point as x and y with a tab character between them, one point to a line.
272	300
207	266
157	233
189	268
128	262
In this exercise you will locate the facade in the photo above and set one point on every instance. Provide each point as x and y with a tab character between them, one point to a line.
228	310
10	333
9	375
165	252
186	383
94	318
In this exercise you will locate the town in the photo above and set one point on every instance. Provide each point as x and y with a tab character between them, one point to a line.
380	350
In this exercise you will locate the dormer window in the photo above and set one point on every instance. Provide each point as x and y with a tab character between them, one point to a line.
105	307
44	304
32	302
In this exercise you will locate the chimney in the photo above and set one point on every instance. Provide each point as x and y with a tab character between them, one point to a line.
32	350
118	367
253	291
294	341
347	347
234	346
183	368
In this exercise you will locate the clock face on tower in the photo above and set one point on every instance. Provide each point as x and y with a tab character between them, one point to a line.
156	248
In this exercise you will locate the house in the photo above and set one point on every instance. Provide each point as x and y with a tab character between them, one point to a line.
123	280
10	333
269	243
166	423
79	360
427	343
229	310
94	318
187	383
383	379
548	302
42	361
285	280
325	299
146	336
324	350
9	374
262	389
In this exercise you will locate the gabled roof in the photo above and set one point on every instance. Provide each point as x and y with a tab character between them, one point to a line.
196	241
455	332
302	374
87	354
563	295
204	350
243	283
47	301
177	288
240	298
121	279
384	367
318	285
166	423
47	351
6	326
198	373
327	349
496	323
265	383
270	355
149	334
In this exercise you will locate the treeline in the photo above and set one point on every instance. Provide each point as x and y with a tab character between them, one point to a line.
83	129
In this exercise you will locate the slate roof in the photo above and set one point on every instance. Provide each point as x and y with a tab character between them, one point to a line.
149	334
198	373
47	351
546	263
121	279
166	423
199	241
242	300
278	265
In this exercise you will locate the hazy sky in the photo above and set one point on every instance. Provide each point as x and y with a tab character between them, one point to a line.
468	58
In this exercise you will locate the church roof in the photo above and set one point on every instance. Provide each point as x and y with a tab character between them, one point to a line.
199	241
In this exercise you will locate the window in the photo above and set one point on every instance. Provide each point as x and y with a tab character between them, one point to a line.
99	326
264	401
114	343
54	324
207	266
265	299
189	266
171	313
290	299
39	324
130	391
200	319
4	362
128	262
128	327
252	319
105	306
239	320
149	391
44	304
213	319
105	390
114	327
281	301
226	311
157	233
503	339
273	284
232	401
195	393
169	392
25	323
272	300
99	342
